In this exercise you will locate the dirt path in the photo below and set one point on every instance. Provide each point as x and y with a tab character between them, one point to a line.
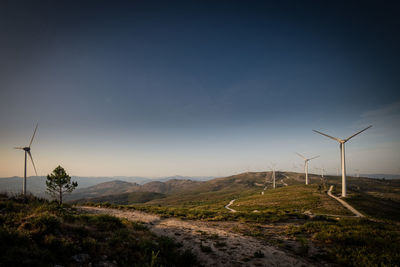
213	245
229	204
286	177
344	203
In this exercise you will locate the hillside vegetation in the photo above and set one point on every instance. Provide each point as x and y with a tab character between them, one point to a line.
96	192
309	216
206	200
296	198
377	198
291	211
353	241
124	198
35	232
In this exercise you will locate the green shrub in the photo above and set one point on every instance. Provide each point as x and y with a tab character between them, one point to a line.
355	242
38	233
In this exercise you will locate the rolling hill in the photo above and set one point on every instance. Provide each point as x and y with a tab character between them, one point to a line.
37	185
124	198
213	193
110	191
374	197
108	188
293	211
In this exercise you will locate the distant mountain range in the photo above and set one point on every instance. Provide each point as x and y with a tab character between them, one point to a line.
380	176
186	192
121	187
177	190
37	184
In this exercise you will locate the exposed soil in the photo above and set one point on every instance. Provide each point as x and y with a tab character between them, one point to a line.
229	204
214	243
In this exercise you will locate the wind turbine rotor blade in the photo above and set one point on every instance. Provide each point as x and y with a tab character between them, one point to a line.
314	157
33	135
33	163
331	137
18	148
347	139
301	155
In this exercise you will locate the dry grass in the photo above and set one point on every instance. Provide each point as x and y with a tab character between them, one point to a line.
296	198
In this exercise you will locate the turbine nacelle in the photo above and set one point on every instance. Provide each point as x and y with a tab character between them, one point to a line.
306	159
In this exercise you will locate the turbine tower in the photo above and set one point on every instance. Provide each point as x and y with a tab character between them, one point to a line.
306	160
272	166
342	155
27	150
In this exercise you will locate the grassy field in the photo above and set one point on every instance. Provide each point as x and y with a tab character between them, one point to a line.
125	198
280	204
376	198
34	232
207	200
39	233
354	242
347	241
291	199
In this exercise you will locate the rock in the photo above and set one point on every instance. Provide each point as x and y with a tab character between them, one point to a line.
81	258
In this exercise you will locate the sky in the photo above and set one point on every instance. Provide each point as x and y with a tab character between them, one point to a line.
198	88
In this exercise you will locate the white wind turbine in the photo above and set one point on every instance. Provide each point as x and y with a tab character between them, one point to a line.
342	155
272	166
27	150
306	160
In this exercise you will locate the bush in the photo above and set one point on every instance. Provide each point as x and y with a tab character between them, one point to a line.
39	233
355	242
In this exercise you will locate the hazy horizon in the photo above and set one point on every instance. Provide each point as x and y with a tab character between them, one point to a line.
204	88
316	172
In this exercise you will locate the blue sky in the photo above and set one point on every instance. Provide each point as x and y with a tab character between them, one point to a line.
198	87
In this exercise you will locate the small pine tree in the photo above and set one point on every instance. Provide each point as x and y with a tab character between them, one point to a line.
59	182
